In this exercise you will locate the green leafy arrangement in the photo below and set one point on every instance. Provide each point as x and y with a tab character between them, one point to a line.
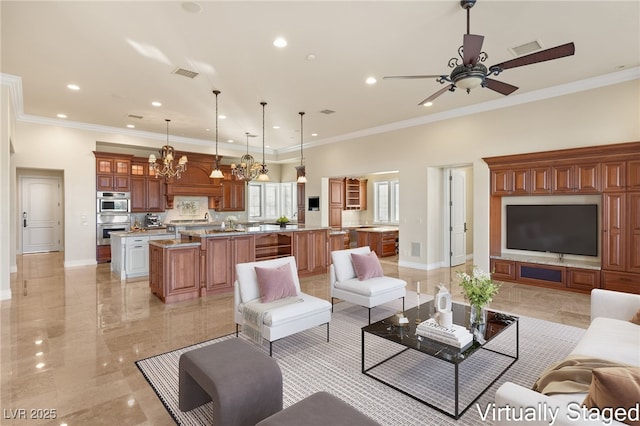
478	287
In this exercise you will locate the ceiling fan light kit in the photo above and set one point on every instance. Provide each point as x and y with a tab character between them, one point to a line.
472	74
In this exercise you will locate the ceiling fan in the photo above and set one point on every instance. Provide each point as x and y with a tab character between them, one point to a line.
471	73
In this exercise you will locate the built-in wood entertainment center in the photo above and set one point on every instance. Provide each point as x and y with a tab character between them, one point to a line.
609	171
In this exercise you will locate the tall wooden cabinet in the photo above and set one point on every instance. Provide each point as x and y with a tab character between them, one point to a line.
611	171
336	202
147	191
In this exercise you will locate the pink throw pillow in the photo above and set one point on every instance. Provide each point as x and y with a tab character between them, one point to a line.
275	283
366	265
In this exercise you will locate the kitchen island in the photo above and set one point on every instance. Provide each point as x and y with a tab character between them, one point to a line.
130	251
202	262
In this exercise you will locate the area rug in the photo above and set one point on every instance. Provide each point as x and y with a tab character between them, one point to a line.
310	364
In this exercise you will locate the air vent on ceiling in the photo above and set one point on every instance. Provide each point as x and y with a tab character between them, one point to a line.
185	72
139	117
327	111
525	49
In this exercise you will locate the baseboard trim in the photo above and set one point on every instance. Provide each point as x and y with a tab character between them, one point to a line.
5	294
423	266
81	262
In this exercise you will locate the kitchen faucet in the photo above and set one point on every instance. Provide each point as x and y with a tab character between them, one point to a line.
206	216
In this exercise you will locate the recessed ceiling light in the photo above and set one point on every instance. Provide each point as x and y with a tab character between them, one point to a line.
62	115
222	117
371	80
230	140
280	42
276	127
314	134
40	365
72	86
311	57
156	104
131	126
427	104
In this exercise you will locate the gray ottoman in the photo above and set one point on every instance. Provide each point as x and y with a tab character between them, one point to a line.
319	409
244	384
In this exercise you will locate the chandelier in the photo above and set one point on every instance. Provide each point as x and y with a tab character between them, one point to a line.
248	169
263	173
302	175
165	169
216	173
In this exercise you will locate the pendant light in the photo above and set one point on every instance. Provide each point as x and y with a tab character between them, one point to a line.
302	174
216	173
263	174
165	168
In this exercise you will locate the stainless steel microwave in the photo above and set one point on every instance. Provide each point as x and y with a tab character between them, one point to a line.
114	202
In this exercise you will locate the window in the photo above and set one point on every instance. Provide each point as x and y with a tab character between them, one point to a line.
271	200
386	196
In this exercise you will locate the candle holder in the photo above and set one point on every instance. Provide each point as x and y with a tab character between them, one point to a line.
418	319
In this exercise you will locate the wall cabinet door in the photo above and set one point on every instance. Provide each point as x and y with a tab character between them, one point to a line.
540	180
138	194
579	178
633	175
613	237
155	194
633	246
614	176
113	173
232	196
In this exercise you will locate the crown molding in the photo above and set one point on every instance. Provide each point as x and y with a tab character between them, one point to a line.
15	88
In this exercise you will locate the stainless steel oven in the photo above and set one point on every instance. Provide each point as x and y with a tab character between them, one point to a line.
113	202
107	223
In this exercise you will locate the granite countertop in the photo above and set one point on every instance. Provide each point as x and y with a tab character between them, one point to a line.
215	231
173	243
378	229
142	232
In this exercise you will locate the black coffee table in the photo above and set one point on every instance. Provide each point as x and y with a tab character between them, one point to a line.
421	368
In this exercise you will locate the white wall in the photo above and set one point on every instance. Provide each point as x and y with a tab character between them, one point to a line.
7	191
596	117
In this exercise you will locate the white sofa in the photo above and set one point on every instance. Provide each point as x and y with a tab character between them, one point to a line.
284	320
610	336
372	292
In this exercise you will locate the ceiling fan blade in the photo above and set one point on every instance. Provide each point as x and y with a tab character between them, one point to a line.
544	55
471	48
499	86
411	76
438	93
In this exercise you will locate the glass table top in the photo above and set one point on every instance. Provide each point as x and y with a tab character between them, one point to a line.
405	334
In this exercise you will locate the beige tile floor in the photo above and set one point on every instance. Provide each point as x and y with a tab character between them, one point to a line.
69	337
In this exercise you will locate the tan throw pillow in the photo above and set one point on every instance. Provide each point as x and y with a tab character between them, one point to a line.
636	318
614	387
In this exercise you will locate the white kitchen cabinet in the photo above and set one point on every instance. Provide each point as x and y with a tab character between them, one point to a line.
130	253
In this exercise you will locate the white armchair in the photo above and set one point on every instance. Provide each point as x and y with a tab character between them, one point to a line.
369	293
280	321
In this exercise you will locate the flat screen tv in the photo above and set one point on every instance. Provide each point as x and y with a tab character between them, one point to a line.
554	228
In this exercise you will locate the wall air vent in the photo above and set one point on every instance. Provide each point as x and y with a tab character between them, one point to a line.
138	117
525	49
327	111
185	72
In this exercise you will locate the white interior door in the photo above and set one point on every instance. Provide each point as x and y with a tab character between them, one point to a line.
40	214
458	227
